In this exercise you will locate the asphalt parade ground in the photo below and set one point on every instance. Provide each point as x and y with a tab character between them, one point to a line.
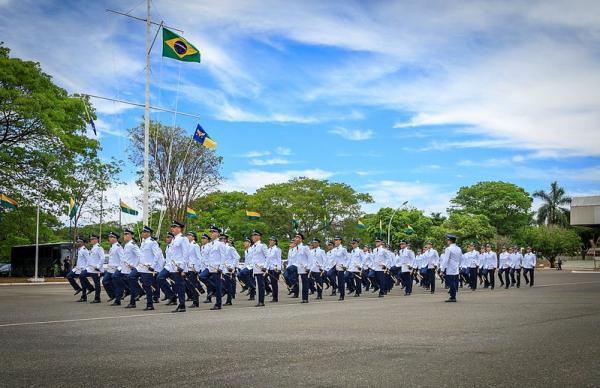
548	335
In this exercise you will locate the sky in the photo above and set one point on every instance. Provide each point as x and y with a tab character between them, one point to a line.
405	100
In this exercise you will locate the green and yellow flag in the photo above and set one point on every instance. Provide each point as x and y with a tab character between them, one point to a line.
252	216
125	208
360	225
73	207
176	47
7	202
409	230
190	213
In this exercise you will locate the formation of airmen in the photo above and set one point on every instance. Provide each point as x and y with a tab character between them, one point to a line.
212	267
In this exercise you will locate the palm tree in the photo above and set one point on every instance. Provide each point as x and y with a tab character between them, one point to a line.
551	212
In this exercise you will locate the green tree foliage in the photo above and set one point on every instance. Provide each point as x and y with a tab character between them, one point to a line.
42	133
550	241
506	205
552	211
469	228
322	208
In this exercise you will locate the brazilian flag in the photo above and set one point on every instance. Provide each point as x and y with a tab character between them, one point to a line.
125	208
176	47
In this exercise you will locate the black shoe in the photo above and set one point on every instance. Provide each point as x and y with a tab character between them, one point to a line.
95	301
259	305
531	285
193	306
179	309
115	304
130	306
433	292
319	298
341	298
350	292
155	300
163	299
294	296
77	292
82	300
274	301
227	303
381	295
91	290
127	293
171	303
215	308
208	300
304	301
110	300
356	295
506	288
333	293
450	300
252	298
290	292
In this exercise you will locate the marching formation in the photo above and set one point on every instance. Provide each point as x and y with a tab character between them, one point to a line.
212	267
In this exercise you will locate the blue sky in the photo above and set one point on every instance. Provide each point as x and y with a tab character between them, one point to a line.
404	100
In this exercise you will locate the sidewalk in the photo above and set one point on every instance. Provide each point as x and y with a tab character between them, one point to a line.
14	281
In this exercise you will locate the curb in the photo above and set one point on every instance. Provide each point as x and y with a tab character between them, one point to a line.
32	284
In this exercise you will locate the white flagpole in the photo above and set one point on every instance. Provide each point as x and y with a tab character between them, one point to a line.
146	179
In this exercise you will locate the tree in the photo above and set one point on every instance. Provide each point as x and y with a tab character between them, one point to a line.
181	170
552	212
322	208
550	241
42	132
469	228
506	205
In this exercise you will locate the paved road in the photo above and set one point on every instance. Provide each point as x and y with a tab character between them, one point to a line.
548	335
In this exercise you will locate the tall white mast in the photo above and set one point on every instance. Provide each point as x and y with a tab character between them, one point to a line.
146	179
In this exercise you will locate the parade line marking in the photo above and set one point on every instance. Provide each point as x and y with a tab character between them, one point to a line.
169	313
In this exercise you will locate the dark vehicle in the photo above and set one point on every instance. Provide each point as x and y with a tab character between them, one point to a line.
4	269
22	259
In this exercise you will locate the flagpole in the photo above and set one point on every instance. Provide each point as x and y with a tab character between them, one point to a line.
146	178
35	278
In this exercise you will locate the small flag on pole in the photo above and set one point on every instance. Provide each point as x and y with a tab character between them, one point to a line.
7	202
72	208
360	225
127	209
190	213
176	47
252	216
202	137
409	230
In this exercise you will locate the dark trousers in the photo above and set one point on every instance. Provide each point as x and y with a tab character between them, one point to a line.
260	284
204	277
71	276
380	277
357	279
365	279
274	279
179	287
134	285
407	280
490	279
515	274
147	280
506	277
229	283
529	280
86	284
192	285
215	278
473	278
431	279
291	279
452	281
155	288
164	284
318	280
332	276
305	285
341	283
118	280
107	283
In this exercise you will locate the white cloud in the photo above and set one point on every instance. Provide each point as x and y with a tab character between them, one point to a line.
256	154
284	151
426	196
493	162
269	162
353	134
585	174
249	181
